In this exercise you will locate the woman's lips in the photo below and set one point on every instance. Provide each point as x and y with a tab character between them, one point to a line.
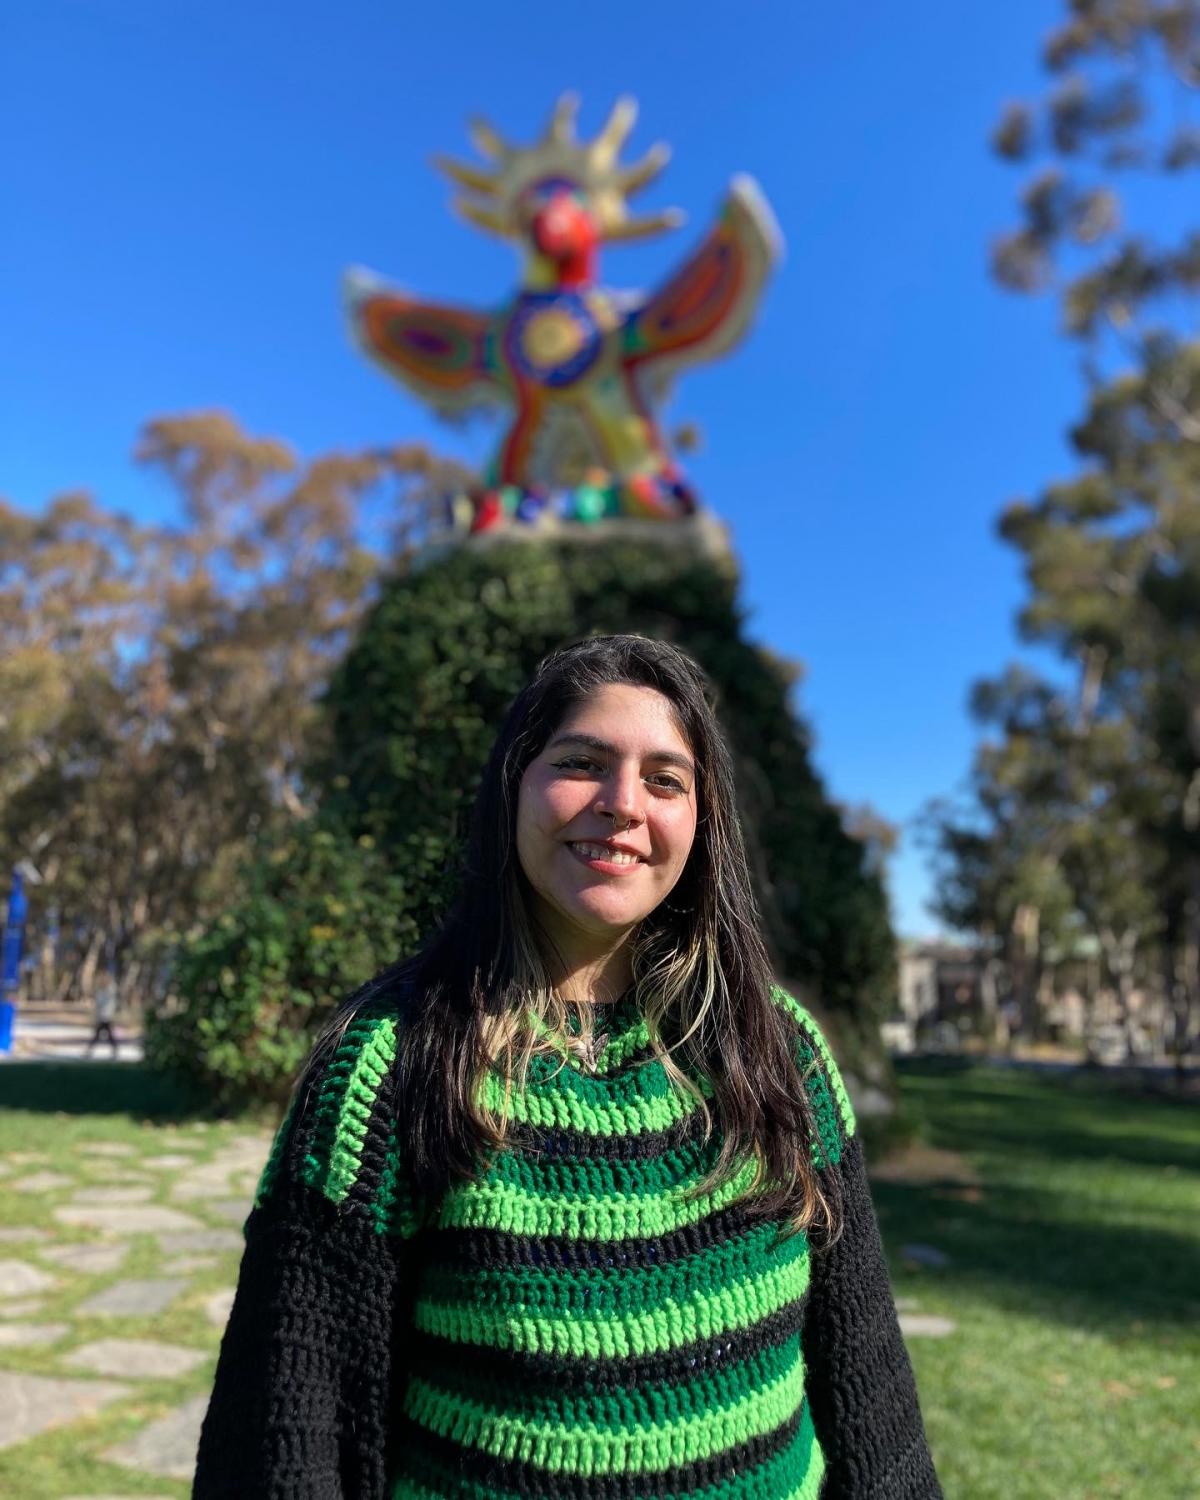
604	866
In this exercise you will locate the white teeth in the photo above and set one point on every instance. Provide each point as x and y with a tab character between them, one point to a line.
602	851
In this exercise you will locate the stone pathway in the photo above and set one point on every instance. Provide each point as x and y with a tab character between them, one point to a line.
123	1219
166	1448
145	1243
90	1260
132	1299
42	1182
135	1359
918	1325
926	1325
18	1279
31	1403
21	1335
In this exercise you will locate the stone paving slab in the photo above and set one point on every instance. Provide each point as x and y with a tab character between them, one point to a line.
23	1307
135	1359
106	1148
203	1240
166	1448
42	1182
192	1187
31	1403
24	1335
121	1173
188	1265
218	1306
27	1158
116	1497
89	1260
116	1193
236	1210
19	1279
136	1298
212	1178
22	1234
146	1218
170	1162
926	1325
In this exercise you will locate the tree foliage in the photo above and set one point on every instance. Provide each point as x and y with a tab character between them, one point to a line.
1083	812
1103	147
157	682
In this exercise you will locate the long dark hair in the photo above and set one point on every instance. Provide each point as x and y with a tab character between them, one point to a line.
478	995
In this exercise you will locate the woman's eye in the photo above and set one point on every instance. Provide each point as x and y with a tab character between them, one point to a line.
661	779
574	763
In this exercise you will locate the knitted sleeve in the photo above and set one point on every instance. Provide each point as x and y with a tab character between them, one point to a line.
308	1365
859	1380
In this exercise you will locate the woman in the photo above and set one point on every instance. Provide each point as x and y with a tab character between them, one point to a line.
572	1203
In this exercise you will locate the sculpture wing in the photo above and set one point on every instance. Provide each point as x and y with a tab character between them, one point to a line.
707	305
439	353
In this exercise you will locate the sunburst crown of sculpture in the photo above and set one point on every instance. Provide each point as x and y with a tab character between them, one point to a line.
579	368
503	195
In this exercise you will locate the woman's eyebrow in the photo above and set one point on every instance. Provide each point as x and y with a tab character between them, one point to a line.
594	742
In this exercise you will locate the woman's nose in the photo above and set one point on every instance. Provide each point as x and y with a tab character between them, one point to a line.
621	795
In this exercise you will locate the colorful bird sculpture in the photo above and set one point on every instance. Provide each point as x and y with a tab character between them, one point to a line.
579	367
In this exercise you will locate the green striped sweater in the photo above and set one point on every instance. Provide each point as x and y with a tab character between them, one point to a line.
574	1322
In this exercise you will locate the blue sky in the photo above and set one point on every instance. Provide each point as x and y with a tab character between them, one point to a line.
190	180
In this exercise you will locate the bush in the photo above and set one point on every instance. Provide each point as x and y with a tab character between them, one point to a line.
321	915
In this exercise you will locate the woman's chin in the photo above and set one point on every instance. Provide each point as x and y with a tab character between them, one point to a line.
610	917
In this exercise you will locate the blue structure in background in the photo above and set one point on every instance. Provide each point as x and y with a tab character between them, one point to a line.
10	959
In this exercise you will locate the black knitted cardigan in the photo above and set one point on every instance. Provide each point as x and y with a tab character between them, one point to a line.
570	1325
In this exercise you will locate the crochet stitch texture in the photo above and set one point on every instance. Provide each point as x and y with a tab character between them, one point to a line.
571	1323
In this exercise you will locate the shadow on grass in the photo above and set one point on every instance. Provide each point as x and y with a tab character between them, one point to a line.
1030	1242
1075	1115
1013	1246
97	1088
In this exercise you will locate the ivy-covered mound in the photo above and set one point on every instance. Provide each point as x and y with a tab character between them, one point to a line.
411	713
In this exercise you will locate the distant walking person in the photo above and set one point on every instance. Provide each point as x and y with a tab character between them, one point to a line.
104	1008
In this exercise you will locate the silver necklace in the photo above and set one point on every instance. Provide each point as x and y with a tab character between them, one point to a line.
590	1050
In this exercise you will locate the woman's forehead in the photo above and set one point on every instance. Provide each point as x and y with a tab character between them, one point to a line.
628	715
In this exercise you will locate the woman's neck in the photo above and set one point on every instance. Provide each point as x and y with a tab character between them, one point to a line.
594	980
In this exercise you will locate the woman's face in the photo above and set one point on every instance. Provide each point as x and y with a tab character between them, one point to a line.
606	816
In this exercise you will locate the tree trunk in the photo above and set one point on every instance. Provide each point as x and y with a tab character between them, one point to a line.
86	973
1119	954
994	1027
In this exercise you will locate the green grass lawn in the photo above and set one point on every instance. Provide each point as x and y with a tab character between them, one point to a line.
1074	1280
1070	1213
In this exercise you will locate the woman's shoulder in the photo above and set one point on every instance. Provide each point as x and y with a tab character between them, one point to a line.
338	1140
820	1076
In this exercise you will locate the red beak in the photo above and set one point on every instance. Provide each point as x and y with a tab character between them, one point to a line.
562	229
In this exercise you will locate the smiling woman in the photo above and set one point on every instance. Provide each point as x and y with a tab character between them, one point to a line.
605	822
572	1203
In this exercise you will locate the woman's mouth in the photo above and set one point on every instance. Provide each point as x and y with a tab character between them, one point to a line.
601	857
